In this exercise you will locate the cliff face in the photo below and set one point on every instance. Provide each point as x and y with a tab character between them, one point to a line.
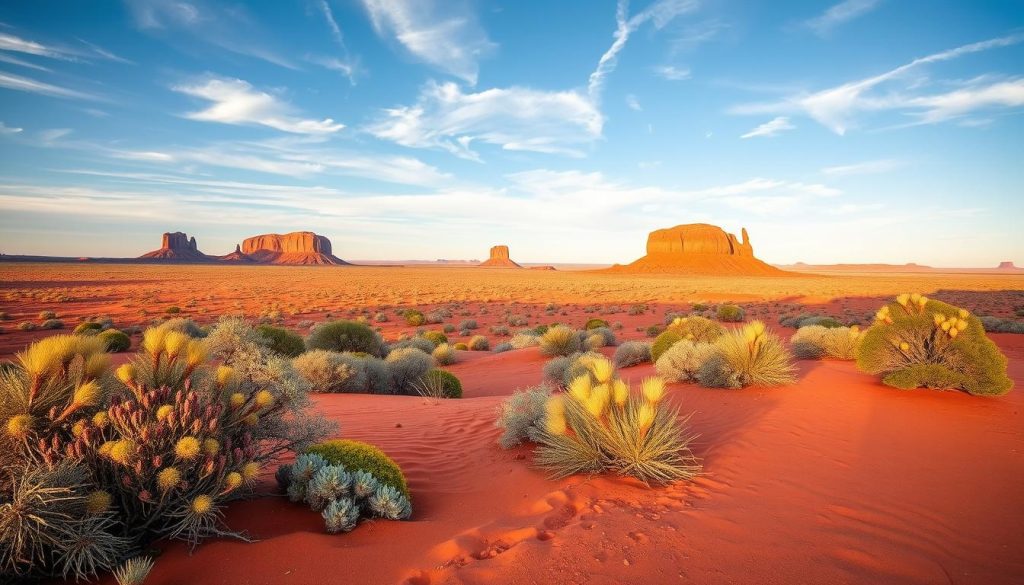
499	258
293	248
699	248
177	246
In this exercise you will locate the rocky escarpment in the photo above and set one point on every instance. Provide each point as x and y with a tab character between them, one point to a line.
177	246
499	259
294	248
699	248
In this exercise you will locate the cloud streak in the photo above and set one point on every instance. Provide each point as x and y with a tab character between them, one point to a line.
771	128
840	14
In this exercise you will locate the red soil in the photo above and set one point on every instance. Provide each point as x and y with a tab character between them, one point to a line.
836	479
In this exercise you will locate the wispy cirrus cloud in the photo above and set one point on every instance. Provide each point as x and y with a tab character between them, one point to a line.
864	168
235	101
29	85
671	72
444	35
840	14
771	128
346	64
837	108
7	130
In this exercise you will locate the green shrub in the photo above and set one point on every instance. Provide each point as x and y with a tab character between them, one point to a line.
52	324
654	330
460	346
595	323
632	353
413	317
560	341
444	355
478	343
664	341
696	328
523	340
439	384
344	336
46	315
27	326
805	319
468	325
730	313
183	325
356	455
607	335
328	371
521	416
914	331
88	328
281	341
172	310
748	356
997	325
436	337
812	342
682	361
405	367
116	341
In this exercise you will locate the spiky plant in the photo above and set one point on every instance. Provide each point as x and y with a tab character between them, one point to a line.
748	356
340	515
134	571
632	353
817	341
444	355
684	359
600	425
439	384
329	483
696	328
916	341
559	341
388	502
521	416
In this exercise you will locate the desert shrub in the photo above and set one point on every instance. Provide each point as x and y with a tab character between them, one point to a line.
914	331
662	342
183	325
805	319
346	336
697	328
654	330
517	321
460	346
405	367
134	571
600	425
563	369
682	361
500	330
540	330
327	371
596	323
115	341
27	326
281	341
560	341
523	340
360	456
521	416
478	343
503	347
435	337
439	384
436	317
730	313
5	316
413	317
444	355
607	335
172	310
635	310
997	325
468	324
88	328
632	353
748	356
341	494
52	324
699	307
448	328
45	315
381	318
812	342
421	343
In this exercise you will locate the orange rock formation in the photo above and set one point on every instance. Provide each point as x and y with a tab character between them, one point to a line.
293	248
499	259
699	248
177	246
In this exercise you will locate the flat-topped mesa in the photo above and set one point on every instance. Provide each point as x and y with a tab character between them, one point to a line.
177	246
293	248
1007	265
699	248
499	258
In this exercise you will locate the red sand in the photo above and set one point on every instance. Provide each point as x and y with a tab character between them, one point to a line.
836	479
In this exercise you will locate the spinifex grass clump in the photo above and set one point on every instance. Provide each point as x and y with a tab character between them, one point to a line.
751	356
692	328
916	341
560	341
814	342
599	425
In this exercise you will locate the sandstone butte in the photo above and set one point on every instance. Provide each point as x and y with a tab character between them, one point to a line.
177	246
304	248
499	259
699	248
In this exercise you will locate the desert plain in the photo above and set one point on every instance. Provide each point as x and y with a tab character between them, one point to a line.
833	479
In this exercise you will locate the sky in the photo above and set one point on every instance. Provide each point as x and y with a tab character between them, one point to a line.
853	131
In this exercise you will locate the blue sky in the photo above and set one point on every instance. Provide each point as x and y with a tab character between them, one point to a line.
857	131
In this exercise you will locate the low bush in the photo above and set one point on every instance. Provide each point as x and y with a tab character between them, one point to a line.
421	343
521	416
172	310
328	371
344	336
997	325
696	328
435	337
281	341
360	456
115	341
27	326
748	356
478	343
682	361
805	319
45	315
562	369
730	313
413	317
88	328
503	347
524	340
663	342
632	353
444	355
439	384
185	326
468	325
812	342
52	324
920	342
596	323
606	334
460	346
600	425
406	366
560	341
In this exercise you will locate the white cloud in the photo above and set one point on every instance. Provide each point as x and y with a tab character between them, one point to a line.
671	72
234	101
514	118
16	44
837	108
7	130
440	34
840	14
864	168
345	65
633	103
770	128
27	84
